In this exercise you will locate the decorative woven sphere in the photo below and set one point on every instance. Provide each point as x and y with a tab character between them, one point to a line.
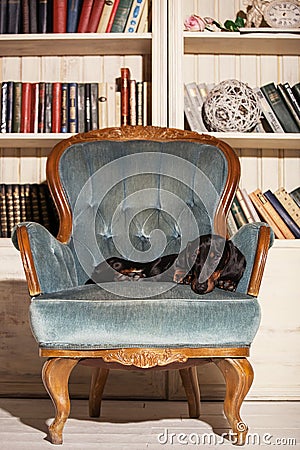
231	106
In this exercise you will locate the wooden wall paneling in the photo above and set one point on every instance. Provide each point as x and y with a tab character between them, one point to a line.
50	68
291	169
206	8
227	10
71	68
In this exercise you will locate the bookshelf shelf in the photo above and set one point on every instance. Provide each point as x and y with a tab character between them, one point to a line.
32	140
75	44
234	43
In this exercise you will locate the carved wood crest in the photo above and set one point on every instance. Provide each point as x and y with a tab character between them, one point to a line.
144	358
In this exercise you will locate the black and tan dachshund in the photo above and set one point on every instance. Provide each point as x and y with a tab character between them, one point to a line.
207	262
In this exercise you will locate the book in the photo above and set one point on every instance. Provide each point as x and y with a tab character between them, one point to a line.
34	113
268	112
81	107
237	212
121	16
17	107
292	226
43	12
102	104
56	107
111	105
13	16
106	12
282	113
134	16
231	225
64	108
87	107
94	19
26	108
250	205
16	203
23	215
59	16
132	102
34	201
84	16
94	106
118	108
143	25
3	16
41	108
73	13
3	106
289	204
33	22
289	103
139	103
296	92
189	114
48	107
112	16
73	107
25	16
125	79
295	194
146	103
196	103
3	215
244	206
294	101
10	106
9	208
260	202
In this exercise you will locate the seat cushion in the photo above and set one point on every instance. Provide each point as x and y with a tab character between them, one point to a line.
112	316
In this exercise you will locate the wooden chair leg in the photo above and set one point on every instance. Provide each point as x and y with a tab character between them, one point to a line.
56	373
190	383
99	377
238	374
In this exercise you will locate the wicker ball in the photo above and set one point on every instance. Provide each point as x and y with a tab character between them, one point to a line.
231	106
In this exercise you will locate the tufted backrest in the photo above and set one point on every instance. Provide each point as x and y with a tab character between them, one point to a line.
139	197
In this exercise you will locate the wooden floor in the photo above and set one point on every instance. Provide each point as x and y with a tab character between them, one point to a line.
146	424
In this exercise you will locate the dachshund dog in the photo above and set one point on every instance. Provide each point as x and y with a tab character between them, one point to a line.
207	262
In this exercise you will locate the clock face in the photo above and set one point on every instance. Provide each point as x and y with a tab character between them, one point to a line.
282	14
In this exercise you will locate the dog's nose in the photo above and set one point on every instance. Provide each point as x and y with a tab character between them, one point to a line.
200	288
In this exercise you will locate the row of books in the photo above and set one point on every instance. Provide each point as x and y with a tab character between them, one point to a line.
72	107
26	202
71	16
280	209
280	107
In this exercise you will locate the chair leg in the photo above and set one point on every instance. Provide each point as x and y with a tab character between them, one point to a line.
238	374
190	383
56	373
99	377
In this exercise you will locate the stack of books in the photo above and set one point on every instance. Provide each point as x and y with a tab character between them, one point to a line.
74	16
72	107
280	209
26	203
280	107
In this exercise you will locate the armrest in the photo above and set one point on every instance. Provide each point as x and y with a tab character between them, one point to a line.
254	241
49	264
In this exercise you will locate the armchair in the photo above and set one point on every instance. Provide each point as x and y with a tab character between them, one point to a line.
139	192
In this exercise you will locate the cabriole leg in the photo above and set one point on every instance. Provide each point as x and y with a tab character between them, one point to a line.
190	383
99	377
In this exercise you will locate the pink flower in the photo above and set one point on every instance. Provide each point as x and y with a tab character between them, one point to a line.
194	23
209	20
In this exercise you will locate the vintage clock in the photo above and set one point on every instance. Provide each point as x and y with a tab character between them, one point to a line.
282	14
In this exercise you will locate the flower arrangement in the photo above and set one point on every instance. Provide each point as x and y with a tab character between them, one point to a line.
197	23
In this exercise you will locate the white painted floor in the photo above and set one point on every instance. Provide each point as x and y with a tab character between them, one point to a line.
146	424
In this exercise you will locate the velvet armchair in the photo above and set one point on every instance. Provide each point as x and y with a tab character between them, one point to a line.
139	192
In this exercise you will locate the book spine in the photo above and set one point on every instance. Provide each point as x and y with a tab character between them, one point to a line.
188	111
17	107
74	8
196	103
85	16
87	106
27	195
134	16
250	205
73	108
35	207
125	79
16	203
291	230
25	16
23	215
10	106
48	107
111	105
139	102
118	108
81	107
121	16
259	201
238	213
294	102
289	204
296	92
43	207
26	108
59	16
34	116
64	107
268	113
42	15
143	24
33	16
102	105
9	208
13	16
244	206
96	12
146	102
94	106
56	107
288	103
295	194
112	16
3	213
105	15
132	102
3	106
3	16
41	107
231	225
282	113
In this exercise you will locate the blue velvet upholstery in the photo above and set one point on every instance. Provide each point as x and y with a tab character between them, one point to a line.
181	183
